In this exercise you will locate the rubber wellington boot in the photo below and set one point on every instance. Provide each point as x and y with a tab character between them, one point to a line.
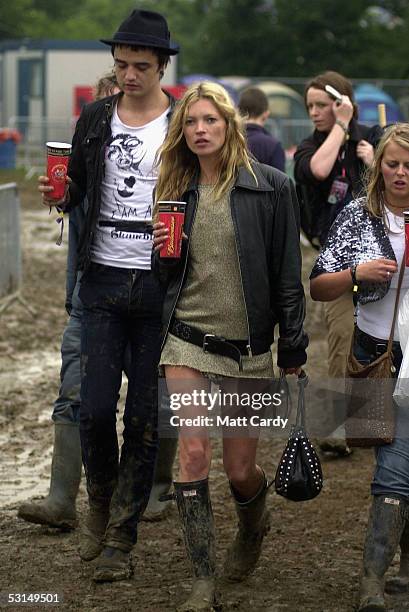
196	517
58	508
254	523
93	530
156	510
385	527
400	583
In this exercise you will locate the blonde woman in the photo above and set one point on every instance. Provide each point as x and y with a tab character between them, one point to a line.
239	276
365	246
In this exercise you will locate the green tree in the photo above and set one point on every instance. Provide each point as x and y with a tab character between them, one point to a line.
14	18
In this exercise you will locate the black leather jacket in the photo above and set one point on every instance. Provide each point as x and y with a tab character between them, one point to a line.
87	164
268	248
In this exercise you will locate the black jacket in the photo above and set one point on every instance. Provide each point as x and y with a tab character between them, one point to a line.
314	193
86	167
267	238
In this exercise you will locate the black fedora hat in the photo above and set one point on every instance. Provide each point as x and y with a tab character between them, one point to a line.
145	29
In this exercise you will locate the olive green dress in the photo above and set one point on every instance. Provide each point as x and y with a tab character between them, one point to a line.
212	298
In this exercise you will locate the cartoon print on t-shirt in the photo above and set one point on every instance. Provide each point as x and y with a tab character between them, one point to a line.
127	152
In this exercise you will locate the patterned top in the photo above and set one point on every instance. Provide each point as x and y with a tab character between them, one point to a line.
212	298
356	237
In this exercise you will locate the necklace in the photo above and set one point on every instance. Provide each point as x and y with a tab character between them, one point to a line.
399	221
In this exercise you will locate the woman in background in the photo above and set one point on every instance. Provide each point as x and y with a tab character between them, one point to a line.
329	168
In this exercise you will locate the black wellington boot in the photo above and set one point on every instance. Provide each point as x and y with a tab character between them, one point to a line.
385	527
400	583
58	508
196	517
254	523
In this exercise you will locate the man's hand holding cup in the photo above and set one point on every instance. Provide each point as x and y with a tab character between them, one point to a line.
54	186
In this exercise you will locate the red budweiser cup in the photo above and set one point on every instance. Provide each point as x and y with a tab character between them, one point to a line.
58	154
406	215
172	214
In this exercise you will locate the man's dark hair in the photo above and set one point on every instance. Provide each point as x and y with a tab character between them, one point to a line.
253	102
163	58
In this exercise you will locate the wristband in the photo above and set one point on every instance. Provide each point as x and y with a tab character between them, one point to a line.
355	282
343	126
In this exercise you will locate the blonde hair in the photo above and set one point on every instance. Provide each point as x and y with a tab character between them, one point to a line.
105	86
375	204
179	165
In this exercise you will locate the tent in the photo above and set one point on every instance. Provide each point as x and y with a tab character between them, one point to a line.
368	97
288	116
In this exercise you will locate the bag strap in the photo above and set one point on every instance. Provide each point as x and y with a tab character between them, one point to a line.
302	382
395	310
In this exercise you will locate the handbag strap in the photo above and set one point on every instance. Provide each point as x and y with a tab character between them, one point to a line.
395	310
302	382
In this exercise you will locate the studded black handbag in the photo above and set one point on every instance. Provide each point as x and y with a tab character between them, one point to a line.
299	473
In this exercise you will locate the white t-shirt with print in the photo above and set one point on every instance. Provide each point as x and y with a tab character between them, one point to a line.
127	193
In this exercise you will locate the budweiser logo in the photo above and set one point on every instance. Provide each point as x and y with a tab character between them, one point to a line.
171	243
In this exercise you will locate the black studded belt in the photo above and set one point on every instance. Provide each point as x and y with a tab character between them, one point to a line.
210	343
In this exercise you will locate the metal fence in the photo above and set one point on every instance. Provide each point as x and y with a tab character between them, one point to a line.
10	253
36	132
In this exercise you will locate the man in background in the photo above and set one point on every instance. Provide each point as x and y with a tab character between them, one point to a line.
253	106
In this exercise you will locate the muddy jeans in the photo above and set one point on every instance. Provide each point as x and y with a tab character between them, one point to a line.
391	474
67	404
121	306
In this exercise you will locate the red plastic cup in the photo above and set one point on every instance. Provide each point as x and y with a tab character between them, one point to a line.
58	154
406	216
172	214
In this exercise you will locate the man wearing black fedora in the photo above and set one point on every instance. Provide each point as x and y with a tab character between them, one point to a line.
113	163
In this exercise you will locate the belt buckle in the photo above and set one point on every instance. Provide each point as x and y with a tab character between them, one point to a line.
382	350
209	337
206	338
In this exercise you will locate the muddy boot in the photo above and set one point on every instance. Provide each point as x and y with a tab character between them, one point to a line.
156	510
93	530
385	527
58	508
112	565
196	517
336	446
254	523
400	583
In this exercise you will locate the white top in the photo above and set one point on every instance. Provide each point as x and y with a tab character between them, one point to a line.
375	318
127	193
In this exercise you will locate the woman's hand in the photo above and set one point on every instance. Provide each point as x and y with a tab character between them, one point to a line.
377	270
343	110
365	152
44	188
160	235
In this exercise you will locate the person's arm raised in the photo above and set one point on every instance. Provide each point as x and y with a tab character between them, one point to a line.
325	157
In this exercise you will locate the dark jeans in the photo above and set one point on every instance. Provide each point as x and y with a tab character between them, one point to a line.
67	404
391	474
121	306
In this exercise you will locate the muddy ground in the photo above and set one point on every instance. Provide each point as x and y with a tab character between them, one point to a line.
312	556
